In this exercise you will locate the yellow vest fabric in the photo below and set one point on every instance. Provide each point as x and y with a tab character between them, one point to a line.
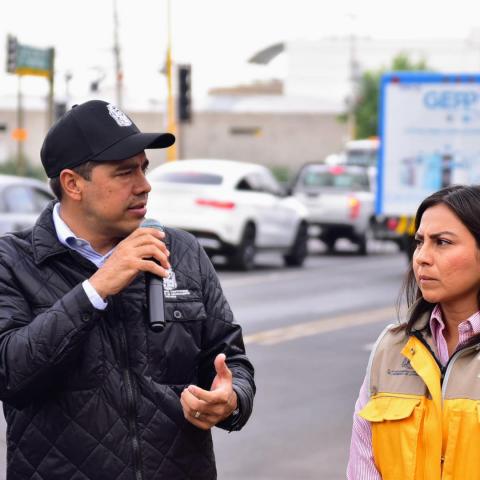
421	429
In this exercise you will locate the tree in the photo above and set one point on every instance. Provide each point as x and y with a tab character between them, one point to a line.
365	110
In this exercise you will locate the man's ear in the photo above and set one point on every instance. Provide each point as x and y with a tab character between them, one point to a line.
72	184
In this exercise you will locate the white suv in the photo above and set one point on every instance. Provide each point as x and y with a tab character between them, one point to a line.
233	208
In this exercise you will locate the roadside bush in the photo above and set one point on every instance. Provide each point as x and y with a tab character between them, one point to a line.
9	167
282	174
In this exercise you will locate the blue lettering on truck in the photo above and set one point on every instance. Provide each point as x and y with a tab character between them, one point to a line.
450	99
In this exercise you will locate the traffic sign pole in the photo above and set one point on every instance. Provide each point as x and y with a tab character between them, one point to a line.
27	60
20	126
171	123
51	85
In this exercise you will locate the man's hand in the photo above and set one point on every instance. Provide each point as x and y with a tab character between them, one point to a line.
204	408
132	255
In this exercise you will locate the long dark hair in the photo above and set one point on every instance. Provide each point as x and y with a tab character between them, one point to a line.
464	202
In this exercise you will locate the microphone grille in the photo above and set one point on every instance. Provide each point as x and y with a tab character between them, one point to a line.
151	223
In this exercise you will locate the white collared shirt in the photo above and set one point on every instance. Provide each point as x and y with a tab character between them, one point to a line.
69	239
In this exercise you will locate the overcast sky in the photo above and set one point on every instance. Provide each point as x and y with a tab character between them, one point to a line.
215	36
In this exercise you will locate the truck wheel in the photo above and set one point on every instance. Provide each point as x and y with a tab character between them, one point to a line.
244	256
400	244
330	244
299	250
410	246
364	240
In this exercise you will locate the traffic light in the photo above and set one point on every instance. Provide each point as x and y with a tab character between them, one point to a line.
184	93
12	46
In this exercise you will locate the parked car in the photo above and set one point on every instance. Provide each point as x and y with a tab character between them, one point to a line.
233	208
21	201
340	202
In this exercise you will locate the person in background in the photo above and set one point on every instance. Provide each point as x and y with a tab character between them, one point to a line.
91	392
417	415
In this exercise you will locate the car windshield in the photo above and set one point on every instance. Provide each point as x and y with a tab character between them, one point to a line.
335	177
363	158
198	178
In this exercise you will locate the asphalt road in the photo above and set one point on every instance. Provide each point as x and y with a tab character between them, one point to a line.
308	332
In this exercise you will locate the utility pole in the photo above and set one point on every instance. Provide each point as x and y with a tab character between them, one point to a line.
171	121
354	74
68	77
51	89
20	129
118	60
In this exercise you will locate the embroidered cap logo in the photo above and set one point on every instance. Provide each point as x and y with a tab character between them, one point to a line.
121	119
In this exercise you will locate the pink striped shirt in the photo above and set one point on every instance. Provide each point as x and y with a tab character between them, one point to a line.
360	463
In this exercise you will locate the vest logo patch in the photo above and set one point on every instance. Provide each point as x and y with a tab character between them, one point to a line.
170	285
405	369
170	282
406	364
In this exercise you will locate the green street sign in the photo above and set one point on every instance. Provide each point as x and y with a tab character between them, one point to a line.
26	60
34	61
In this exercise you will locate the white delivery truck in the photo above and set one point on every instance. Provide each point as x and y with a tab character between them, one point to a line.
429	128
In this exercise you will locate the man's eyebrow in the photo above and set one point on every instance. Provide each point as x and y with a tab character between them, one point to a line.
436	235
132	164
124	166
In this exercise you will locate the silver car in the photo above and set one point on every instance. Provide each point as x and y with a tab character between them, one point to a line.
21	201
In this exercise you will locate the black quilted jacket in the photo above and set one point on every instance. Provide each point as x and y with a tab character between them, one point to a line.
95	395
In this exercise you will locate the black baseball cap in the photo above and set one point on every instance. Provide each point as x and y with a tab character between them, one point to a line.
97	131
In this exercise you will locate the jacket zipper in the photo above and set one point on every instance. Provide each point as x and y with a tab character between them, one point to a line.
451	361
131	404
446	370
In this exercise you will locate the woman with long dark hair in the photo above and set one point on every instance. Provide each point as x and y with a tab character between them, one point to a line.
418	412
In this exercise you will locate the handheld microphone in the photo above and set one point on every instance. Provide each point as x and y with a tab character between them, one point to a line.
155	298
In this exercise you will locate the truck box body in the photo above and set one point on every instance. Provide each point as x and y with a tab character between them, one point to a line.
429	138
430	131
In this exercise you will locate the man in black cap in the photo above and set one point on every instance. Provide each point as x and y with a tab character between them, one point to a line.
89	390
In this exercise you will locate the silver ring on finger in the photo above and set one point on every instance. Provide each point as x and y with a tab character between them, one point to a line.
196	414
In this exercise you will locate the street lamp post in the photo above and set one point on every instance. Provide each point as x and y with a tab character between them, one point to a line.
171	121
118	59
354	69
20	129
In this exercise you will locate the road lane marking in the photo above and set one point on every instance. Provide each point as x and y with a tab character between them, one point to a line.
269	277
307	329
301	273
251	280
261	278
